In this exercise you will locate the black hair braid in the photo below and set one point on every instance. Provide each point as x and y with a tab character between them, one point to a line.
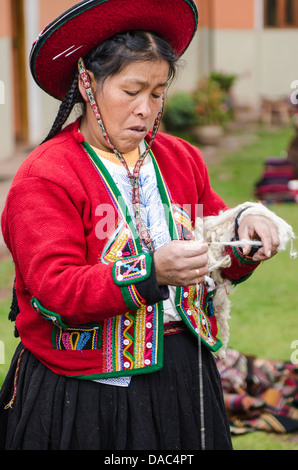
67	105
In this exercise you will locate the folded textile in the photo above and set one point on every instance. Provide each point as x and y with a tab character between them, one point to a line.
273	186
260	395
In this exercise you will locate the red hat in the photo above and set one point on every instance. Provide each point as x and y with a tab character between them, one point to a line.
55	54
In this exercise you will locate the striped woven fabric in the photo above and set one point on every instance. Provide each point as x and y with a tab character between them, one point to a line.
260	395
273	186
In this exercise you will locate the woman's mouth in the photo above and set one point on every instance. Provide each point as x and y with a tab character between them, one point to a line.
138	131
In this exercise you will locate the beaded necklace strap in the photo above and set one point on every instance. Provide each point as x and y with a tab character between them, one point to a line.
134	177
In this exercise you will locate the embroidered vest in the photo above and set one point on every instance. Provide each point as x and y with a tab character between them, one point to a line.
133	343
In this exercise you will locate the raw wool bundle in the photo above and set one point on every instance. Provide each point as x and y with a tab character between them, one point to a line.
218	231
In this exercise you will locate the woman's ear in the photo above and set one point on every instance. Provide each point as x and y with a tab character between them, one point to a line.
82	88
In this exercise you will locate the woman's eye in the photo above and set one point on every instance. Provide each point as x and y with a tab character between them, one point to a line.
131	93
156	97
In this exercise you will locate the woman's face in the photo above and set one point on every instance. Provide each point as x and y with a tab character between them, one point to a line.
129	103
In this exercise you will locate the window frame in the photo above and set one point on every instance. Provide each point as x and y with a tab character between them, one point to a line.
281	15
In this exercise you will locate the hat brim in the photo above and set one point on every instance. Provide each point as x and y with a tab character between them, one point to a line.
54	55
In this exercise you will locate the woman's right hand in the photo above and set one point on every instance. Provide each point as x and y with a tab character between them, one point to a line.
181	263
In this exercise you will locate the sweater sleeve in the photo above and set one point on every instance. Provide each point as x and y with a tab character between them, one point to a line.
242	266
45	233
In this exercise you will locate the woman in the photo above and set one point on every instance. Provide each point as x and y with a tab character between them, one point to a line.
111	286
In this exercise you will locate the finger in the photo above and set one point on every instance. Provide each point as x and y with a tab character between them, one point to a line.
269	238
260	256
245	234
269	248
194	248
261	229
198	275
275	239
198	262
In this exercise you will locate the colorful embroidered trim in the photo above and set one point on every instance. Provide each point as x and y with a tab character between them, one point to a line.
81	338
71	338
179	225
198	313
114	194
133	341
245	259
120	245
47	314
128	343
132	270
132	297
183	223
166	200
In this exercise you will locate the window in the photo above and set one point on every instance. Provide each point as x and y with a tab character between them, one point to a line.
281	13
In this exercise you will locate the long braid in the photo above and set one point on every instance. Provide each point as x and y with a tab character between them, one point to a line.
65	109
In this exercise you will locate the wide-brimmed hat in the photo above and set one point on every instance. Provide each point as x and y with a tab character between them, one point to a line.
75	33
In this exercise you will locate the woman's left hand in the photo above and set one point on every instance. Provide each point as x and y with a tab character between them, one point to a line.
257	227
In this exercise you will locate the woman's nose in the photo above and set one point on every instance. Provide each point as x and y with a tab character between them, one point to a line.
143	108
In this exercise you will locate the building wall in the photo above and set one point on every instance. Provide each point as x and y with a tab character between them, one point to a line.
6	82
232	14
43	108
263	60
230	38
49	10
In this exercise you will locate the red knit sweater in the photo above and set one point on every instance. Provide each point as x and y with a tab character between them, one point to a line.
49	225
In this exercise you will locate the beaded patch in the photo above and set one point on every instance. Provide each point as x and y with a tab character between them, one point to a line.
132	270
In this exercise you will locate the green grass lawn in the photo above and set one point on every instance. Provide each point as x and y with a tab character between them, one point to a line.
264	320
264	309
7	339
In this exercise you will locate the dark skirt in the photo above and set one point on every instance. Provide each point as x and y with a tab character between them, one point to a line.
158	411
